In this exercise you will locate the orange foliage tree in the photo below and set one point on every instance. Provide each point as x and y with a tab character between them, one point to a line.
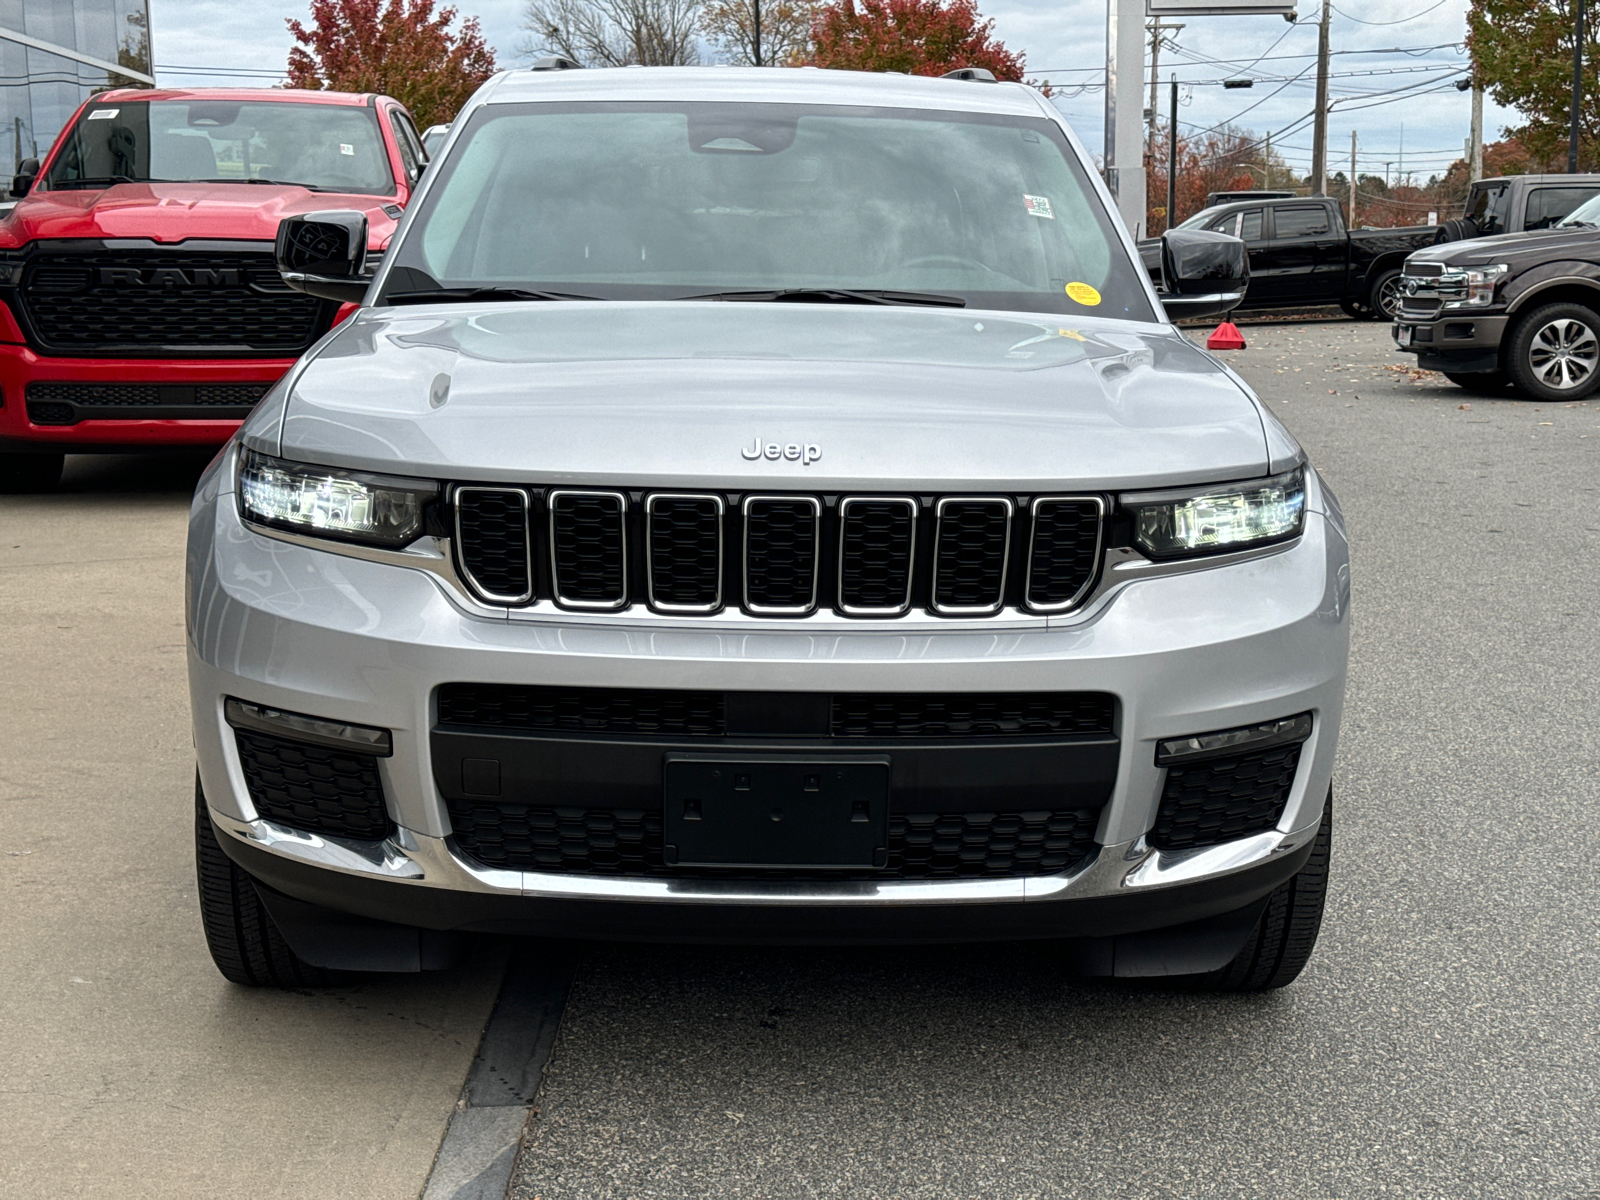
401	48
1219	161
918	37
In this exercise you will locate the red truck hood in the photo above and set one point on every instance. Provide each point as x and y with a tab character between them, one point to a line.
176	212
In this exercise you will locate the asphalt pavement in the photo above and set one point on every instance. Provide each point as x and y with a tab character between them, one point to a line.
128	1067
1443	1041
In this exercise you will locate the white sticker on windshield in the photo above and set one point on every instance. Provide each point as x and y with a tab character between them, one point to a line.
1037	206
346	148
101	114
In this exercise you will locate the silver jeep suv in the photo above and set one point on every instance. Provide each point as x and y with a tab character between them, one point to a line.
763	505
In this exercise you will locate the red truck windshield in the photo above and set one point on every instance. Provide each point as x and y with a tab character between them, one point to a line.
323	147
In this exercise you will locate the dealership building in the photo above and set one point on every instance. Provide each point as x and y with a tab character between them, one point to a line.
55	54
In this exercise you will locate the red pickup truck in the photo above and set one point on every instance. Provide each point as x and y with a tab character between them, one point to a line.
139	302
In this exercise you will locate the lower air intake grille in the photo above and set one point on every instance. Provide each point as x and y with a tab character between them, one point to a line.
1219	799
314	788
628	842
882	716
876	546
582	710
492	527
1023	714
69	403
1065	553
589	548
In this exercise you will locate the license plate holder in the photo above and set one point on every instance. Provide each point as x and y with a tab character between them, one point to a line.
1403	335
775	811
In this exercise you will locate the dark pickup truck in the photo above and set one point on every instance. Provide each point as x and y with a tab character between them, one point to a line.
1301	253
1522	309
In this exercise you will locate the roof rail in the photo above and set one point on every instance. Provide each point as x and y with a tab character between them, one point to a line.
971	74
555	62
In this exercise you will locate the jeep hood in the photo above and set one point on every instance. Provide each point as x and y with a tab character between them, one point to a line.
1543	245
678	394
176	212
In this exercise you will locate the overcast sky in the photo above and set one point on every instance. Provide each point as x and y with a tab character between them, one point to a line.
1064	42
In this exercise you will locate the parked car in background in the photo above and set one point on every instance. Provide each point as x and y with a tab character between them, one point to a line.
1522	309
1519	204
832	540
139	302
1302	254
433	137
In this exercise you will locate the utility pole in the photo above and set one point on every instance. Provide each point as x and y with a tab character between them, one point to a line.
1156	30
1124	157
1266	163
1577	93
756	46
1351	220
1475	159
1172	157
1319	136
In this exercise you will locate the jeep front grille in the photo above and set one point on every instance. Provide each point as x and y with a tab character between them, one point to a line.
777	555
206	304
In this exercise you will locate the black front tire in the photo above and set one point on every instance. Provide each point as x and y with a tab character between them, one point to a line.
1284	937
1553	352
244	943
1384	298
1481	383
23	473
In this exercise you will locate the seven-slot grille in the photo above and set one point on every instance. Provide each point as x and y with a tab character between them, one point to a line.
778	555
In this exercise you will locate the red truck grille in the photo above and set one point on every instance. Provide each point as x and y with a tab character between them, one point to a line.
182	303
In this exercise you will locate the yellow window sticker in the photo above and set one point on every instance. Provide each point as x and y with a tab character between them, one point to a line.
1083	294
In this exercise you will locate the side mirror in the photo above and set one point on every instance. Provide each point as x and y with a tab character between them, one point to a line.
1204	274
27	172
324	254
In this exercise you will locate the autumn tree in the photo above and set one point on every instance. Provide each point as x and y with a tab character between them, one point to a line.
1219	161
615	33
402	48
767	33
916	37
1522	53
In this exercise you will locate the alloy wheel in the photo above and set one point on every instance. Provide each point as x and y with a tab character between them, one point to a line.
1389	298
1563	354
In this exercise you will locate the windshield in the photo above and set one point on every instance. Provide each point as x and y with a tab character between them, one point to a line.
1586	214
1200	218
324	147
667	201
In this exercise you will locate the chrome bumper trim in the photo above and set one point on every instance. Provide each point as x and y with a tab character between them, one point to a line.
412	858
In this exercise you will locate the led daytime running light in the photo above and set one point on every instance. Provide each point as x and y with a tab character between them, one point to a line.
1225	518
328	502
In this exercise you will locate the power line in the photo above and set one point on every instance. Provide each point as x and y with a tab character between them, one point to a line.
1225	62
1401	21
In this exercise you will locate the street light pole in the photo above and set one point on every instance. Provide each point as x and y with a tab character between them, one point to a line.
1172	158
1577	93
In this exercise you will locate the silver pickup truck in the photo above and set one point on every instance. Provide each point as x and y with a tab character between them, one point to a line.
764	505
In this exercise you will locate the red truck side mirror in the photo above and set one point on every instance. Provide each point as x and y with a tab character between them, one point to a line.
27	172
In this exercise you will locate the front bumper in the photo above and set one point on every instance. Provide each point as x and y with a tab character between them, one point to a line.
20	366
1459	342
304	630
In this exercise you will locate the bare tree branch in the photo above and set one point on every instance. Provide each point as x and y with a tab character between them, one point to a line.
614	33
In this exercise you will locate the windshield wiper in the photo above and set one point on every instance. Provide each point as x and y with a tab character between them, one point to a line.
1569	224
94	181
310	187
469	294
814	295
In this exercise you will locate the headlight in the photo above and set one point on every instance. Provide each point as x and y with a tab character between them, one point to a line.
1477	282
1228	517
377	510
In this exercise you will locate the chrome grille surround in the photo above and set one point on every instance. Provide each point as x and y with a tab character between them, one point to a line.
1061	606
748	508
940	568
875	610
658	500
561	504
524	500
